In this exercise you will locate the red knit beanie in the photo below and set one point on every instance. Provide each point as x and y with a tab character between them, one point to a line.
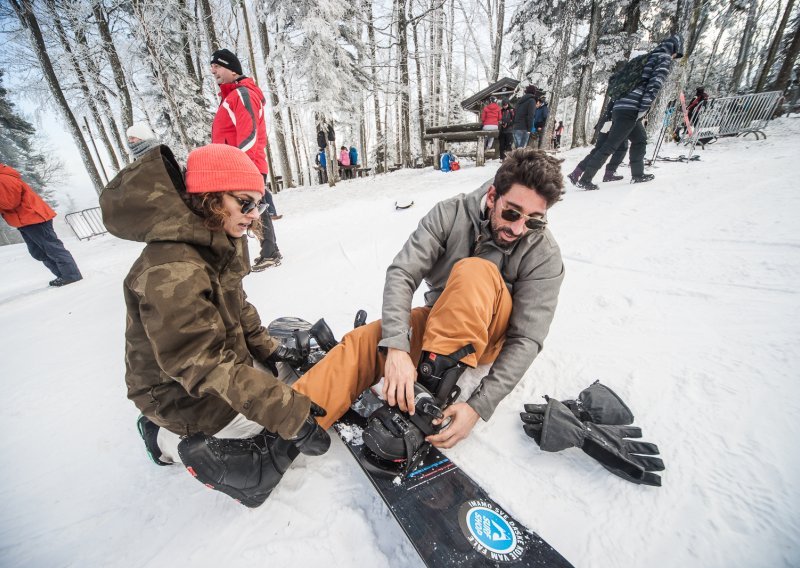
219	167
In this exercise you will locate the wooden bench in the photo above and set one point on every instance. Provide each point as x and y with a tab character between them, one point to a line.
278	182
460	133
363	172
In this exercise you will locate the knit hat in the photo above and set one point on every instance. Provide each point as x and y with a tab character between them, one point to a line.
219	167
140	130
226	58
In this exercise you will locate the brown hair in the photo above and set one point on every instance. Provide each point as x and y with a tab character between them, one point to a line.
209	206
535	169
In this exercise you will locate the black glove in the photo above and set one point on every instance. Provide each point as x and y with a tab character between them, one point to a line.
293	351
596	403
312	440
557	428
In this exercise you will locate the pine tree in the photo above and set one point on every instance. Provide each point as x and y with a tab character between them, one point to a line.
20	149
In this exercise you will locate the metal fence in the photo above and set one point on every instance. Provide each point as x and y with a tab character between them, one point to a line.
733	116
87	223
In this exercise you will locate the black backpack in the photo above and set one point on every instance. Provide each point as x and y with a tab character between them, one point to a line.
628	78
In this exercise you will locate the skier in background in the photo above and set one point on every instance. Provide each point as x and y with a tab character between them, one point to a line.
490	119
506	133
21	207
628	112
140	139
240	122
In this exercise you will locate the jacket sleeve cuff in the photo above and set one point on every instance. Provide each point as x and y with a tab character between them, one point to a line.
400	341
481	404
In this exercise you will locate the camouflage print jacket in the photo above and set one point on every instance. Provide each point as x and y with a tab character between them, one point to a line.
191	336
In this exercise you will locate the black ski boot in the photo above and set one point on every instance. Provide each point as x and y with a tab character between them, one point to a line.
396	439
246	469
642	178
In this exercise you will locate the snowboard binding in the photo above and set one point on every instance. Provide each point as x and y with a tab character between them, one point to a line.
395	440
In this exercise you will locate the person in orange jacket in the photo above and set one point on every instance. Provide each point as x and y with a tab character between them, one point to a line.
22	208
490	118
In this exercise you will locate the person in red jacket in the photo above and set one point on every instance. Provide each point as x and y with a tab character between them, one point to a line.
490	118
21	207
240	122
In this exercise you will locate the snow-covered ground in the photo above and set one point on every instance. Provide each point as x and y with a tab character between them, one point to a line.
681	294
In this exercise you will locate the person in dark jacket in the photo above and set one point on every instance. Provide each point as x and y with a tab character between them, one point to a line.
523	116
506	123
240	122
22	208
191	336
628	112
540	117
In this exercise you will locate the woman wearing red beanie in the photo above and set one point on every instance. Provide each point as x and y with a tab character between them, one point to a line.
192	337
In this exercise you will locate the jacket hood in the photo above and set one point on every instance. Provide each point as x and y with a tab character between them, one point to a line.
143	203
9	171
672	45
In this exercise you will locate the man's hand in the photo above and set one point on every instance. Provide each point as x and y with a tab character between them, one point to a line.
463	420
399	376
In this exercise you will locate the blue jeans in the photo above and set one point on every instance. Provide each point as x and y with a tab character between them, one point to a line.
45	246
521	138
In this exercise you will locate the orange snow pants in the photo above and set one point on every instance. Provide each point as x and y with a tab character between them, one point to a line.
473	308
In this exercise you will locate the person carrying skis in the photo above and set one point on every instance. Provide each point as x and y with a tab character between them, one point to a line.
494	271
630	108
240	122
191	336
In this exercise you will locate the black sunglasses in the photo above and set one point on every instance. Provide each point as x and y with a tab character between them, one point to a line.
512	215
248	205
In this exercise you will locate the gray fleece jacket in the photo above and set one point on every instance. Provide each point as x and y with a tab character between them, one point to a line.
532	269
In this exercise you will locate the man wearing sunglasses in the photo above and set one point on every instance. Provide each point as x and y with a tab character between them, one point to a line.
493	272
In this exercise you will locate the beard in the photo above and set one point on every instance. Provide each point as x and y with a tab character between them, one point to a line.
496	229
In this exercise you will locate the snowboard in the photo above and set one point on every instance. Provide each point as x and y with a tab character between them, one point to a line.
448	517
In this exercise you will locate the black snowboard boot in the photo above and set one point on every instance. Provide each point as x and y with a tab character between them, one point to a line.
642	178
611	175
246	469
396	438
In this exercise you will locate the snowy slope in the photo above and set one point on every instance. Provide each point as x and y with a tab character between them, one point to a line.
681	294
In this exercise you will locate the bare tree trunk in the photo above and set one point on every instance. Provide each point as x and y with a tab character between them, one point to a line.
93	72
420	103
744	48
272	87
84	87
208	24
782	81
448	63
250	51
27	18
561	66
186	47
773	48
585	90
116	66
405	113
497	45
373	56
